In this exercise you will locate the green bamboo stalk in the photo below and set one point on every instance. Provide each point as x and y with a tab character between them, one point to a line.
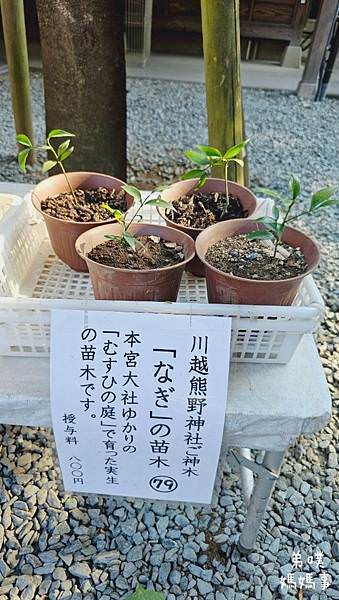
13	22
221	43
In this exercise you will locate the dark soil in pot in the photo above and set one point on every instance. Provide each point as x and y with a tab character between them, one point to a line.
201	209
86	206
254	259
151	253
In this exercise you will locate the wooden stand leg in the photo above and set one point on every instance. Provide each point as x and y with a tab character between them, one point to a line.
262	491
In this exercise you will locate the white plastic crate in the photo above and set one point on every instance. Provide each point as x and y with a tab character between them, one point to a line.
33	282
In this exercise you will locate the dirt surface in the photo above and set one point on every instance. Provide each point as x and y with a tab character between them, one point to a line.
253	259
151	253
199	210
86	206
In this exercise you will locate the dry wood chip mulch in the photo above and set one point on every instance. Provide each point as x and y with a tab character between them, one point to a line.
199	209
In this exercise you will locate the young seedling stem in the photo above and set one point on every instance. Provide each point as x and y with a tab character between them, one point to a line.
59	155
207	157
274	226
126	236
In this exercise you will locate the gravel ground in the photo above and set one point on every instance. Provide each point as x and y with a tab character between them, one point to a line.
61	546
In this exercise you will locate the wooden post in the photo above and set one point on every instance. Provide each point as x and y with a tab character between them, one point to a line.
221	43
13	23
83	56
327	13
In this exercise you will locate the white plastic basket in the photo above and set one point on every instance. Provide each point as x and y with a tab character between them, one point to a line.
33	282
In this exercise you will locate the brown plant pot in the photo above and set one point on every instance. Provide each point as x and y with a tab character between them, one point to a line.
63	234
111	283
228	289
181	188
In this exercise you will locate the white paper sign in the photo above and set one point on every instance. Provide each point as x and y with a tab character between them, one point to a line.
138	402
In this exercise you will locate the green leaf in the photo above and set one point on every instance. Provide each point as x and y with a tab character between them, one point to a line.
118	215
325	203
132	191
239	161
201	181
294	187
22	158
24	140
63	147
197	157
260	234
67	153
130	239
159	202
267	192
56	133
321	196
142	594
235	150
192	174
268	221
112	237
210	151
48	165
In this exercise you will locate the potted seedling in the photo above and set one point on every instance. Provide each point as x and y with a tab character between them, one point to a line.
201	201
262	261
131	260
71	203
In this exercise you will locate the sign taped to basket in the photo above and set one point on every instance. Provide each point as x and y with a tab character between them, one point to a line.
138	402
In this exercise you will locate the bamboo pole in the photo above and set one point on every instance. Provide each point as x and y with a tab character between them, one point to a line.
13	22
221	43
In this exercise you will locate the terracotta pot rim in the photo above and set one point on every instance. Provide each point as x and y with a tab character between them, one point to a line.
147	271
261	281
161	211
37	202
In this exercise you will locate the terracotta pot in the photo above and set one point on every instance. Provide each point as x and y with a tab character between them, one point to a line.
63	234
181	188
229	289
111	283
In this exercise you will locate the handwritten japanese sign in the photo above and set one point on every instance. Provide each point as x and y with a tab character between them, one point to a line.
138	402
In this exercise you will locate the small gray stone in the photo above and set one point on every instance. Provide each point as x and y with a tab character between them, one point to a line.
335	549
288	515
164	572
50	556
274	546
30	490
129	527
123	544
149	518
157	557
296	499
204	587
23	581
53	500
181	520
305	488
135	553
246	567
59	574
174	577
108	557
273	582
189	553
80	569
161	525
